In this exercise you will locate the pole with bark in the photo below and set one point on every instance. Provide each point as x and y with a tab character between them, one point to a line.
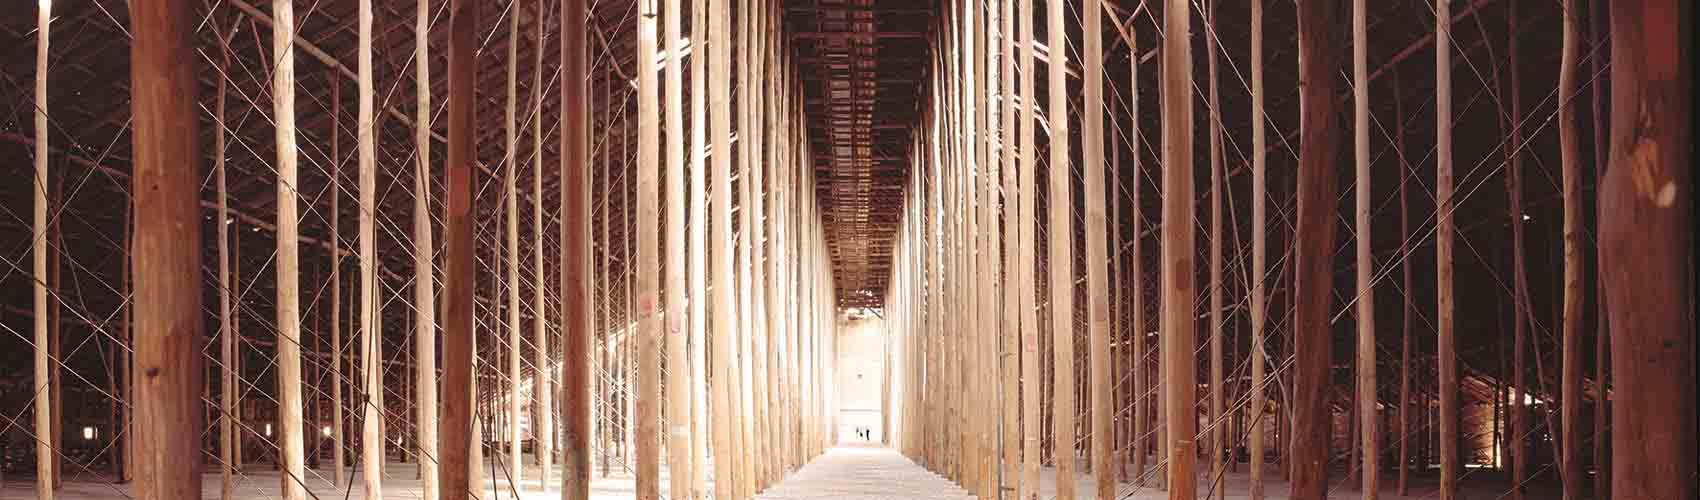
371	332
456	427
1026	215
1446	352
648	333
1177	287
1314	235
1060	262
45	458
1097	300
1218	465
1259	256
288	255
1570	160
1366	400
1646	231
165	191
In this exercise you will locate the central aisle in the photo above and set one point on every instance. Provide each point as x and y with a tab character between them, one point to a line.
865	473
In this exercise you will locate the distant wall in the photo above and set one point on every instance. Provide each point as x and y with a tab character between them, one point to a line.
861	368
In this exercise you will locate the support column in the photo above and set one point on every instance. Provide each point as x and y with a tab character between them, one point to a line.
702	58
1314	236
288	258
543	380
45	458
1409	306
1446	352
1009	352
1216	419
1366	397
679	386
337	437
1570	470
1097	253
1645	221
1026	212
227	331
456	427
1060	260
1259	256
648	324
1177	288
167	252
725	456
424	277
371	326
510	249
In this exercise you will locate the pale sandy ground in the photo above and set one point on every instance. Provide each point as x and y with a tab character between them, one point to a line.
851	472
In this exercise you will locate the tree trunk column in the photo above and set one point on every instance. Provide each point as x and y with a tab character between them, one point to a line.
167	252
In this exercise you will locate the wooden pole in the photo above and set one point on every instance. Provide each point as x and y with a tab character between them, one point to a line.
720	217
1602	336
1520	295
575	254
336	289
1097	253
1009	358
985	286
1409	307
628	281
1645	231
1176	292
649	330
1314	235
456	428
775	316
510	257
1025	215
758	333
1061	261
679	389
123	456
288	256
761	327
742	411
167	252
543	380
702	58
1366	400
1218	465
1136	275
604	371
371	332
227	330
45	457
236	271
1121	432
1259	256
1446	352
424	281
1570	159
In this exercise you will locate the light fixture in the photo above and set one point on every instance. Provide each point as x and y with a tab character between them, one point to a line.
268	430
326	431
1527	218
88	432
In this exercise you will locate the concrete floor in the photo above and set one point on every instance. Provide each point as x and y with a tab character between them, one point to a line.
846	472
261	482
